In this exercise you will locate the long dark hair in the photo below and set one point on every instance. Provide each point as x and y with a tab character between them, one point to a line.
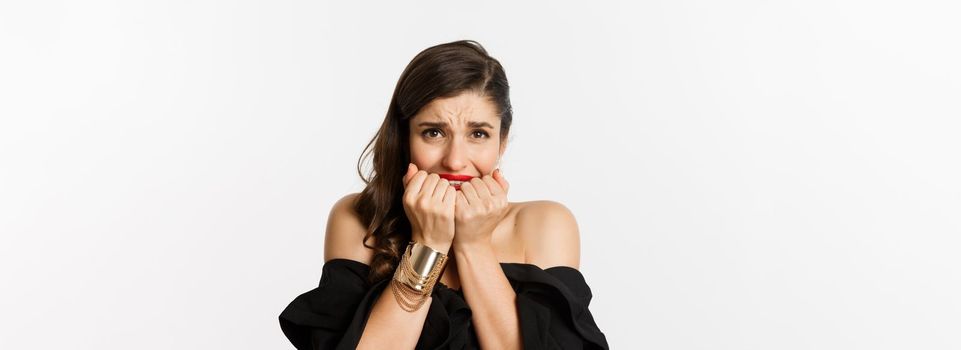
440	71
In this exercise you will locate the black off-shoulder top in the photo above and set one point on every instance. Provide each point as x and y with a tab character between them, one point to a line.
552	307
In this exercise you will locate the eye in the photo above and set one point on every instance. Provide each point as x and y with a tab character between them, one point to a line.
428	131
483	133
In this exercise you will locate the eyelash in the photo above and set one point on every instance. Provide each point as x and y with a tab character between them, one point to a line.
424	133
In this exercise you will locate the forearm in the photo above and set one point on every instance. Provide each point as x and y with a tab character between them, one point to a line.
490	296
390	326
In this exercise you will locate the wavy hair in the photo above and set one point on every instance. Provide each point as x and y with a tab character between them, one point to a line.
440	71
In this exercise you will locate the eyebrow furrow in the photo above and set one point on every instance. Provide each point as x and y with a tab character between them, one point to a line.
444	125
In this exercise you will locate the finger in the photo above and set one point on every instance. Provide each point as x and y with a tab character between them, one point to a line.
411	170
461	199
429	184
441	189
481	187
492	185
499	176
450	196
416	182
470	193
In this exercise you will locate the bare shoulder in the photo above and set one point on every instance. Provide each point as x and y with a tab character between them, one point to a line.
550	234
345	233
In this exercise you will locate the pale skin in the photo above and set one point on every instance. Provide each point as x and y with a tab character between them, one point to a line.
475	224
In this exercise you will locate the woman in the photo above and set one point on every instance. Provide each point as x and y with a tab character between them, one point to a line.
464	267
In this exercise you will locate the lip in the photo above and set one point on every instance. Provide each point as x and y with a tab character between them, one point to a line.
452	177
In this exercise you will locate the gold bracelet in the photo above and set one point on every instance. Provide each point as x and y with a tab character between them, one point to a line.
419	269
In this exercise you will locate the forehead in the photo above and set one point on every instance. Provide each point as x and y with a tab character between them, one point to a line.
459	110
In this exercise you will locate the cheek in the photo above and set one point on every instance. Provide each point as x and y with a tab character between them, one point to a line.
417	148
488	163
423	157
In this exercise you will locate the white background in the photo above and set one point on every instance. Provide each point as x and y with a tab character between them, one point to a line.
745	174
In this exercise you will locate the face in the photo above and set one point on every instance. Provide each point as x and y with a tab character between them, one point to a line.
458	135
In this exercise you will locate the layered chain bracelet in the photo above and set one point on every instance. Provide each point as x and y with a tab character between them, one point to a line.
419	269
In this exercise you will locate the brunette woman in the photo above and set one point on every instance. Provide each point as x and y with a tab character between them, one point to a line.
431	254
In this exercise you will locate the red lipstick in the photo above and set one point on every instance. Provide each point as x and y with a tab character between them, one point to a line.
452	177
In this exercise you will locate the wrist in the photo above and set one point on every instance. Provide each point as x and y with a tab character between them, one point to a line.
462	246
419	268
439	246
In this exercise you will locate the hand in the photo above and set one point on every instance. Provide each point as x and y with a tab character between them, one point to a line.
429	205
481	205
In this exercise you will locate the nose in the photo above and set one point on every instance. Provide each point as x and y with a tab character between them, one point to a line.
456	158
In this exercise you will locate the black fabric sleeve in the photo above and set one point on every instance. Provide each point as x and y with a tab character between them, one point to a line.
552	307
333	315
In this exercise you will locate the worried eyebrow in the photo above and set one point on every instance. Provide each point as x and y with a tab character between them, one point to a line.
443	125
